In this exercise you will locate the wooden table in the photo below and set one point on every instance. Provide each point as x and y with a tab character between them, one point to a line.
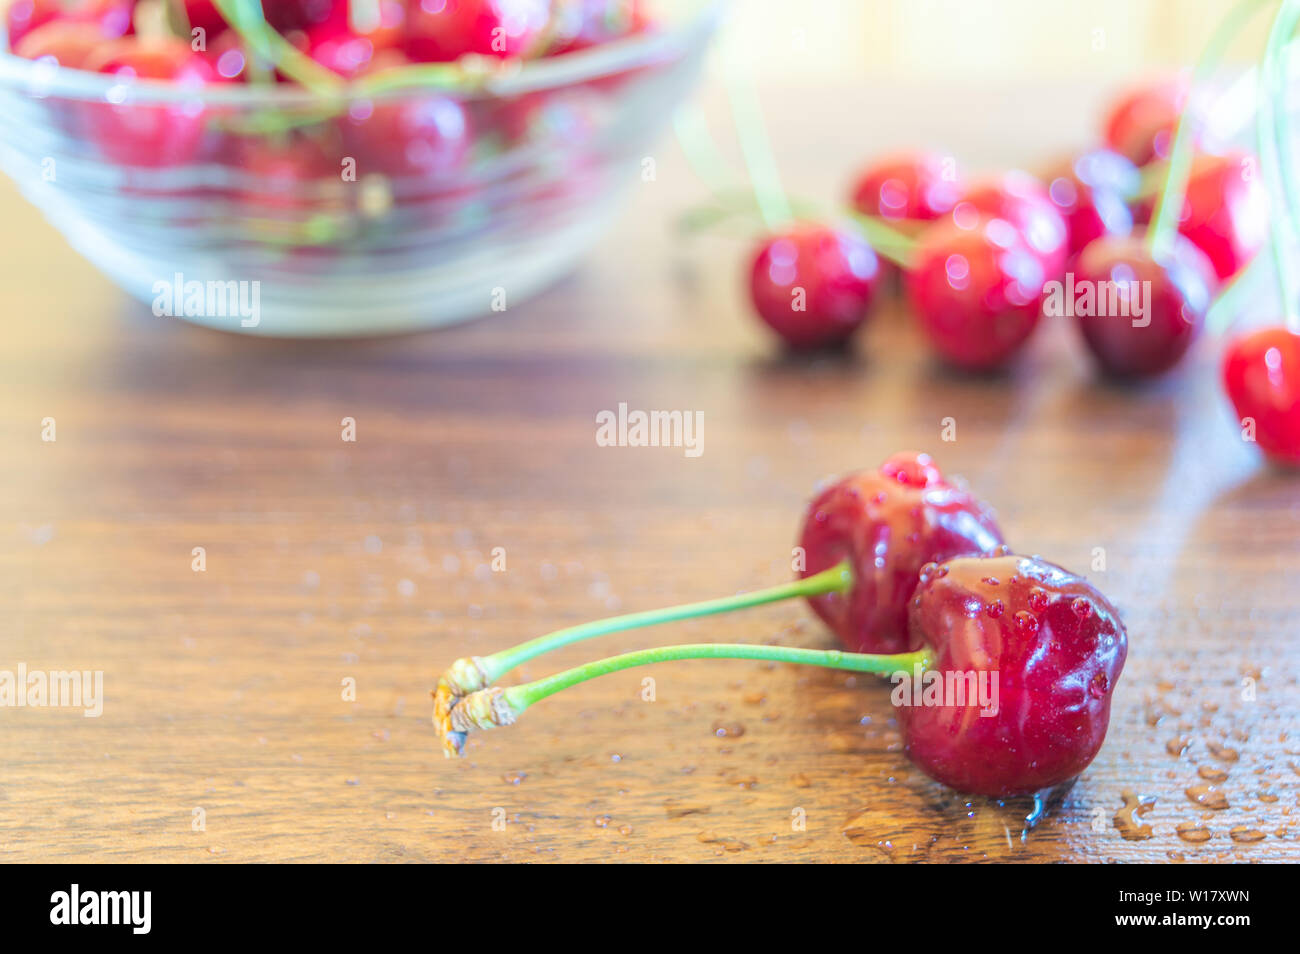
371	561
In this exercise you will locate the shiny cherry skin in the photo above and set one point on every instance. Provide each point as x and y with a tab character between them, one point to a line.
440	31
914	186
1261	373
203	15
426	137
153	135
289	15
112	17
976	288
888	523
1142	345
64	42
1022	200
1140	124
1055	646
1225	211
1092	192
813	285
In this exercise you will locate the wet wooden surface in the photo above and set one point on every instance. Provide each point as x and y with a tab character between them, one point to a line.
372	561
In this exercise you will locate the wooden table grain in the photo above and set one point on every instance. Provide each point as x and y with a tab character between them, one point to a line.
228	734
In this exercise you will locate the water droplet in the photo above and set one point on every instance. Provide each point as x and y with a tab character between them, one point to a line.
1212	774
1026	623
1194	833
1176	747
1082	608
1038	600
1207	796
728	730
1222	752
514	778
995	609
1243	834
601	821
1126	818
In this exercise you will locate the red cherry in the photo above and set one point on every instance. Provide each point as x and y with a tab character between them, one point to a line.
976	288
113	17
423	135
919	186
288	15
203	15
1091	192
439	31
227	56
813	285
149	135
888	523
1225	212
1163	319
1140	125
64	42
1019	198
1261	372
1055	647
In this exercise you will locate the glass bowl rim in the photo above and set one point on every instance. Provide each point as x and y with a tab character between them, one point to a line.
46	80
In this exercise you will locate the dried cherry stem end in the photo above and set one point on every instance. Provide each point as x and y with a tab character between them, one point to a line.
495	707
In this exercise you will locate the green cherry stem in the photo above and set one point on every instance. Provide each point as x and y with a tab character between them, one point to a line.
1276	154
837	579
747	113
1164	219
246	19
495	707
1267	144
522	696
888	241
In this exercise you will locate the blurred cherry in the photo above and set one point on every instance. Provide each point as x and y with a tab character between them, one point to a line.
1092	192
976	288
1261	373
914	186
112	17
155	134
813	285
1163	317
1225	210
420	134
65	42
440	31
1140	124
1019	198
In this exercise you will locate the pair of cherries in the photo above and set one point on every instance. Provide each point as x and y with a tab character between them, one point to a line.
1010	660
930	569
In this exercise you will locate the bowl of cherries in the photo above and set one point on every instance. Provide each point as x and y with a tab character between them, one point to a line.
348	166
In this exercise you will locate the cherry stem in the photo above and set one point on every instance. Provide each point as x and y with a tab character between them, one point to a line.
838	579
520	697
246	18
1274	146
747	113
1168	209
888	241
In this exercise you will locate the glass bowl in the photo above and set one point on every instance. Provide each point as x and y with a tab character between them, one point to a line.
271	210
